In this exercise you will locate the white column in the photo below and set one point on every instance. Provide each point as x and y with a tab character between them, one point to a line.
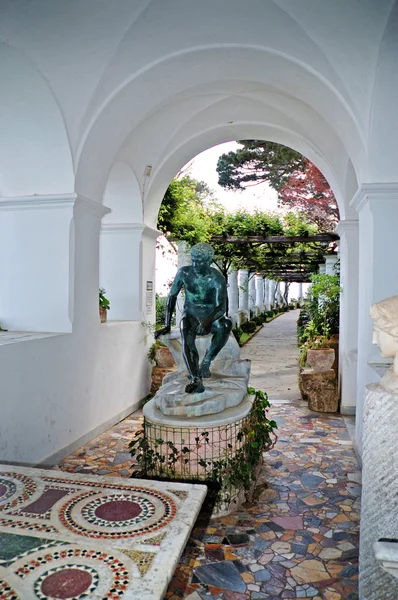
86	253
330	262
348	338
233	296
272	287
46	243
300	292
278	295
322	269
377	207
184	259
244	292
120	271
259	293
252	293
266	294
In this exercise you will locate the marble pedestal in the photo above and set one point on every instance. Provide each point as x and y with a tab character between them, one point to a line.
379	512
198	442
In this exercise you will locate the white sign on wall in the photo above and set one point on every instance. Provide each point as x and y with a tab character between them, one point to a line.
149	297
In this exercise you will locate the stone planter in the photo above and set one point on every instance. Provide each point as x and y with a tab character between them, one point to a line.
103	314
163	357
321	359
158	373
320	389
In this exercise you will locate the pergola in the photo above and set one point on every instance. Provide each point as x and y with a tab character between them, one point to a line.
276	263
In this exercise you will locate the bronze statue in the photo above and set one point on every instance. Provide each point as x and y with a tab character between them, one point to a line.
204	312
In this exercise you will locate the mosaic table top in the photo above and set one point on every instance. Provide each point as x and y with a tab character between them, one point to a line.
70	536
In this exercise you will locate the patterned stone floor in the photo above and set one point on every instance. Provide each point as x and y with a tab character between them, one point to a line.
300	537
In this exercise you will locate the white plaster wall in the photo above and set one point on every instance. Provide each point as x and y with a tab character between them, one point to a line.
35	156
56	390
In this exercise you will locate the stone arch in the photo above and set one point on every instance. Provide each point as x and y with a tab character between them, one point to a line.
35	140
210	138
135	101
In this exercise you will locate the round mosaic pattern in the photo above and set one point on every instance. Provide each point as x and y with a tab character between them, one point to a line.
67	582
15	489
7	592
78	571
138	512
118	511
7	489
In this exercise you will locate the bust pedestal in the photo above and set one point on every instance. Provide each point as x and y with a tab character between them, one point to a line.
379	512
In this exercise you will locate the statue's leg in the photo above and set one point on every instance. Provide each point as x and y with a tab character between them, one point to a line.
220	330
190	354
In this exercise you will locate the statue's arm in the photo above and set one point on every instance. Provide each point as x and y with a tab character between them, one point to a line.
171	303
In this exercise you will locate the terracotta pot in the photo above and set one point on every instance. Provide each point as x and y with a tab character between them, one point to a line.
163	357
103	314
321	359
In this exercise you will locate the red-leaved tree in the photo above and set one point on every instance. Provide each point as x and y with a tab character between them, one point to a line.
308	191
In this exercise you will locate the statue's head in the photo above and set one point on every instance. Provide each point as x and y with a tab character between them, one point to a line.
202	256
384	315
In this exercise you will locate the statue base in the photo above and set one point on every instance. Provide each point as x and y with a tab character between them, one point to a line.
379	505
187	449
226	387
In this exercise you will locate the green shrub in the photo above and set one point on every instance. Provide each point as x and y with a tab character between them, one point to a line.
323	303
237	331
249	327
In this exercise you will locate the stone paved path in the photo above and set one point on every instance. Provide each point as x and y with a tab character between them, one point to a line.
300	538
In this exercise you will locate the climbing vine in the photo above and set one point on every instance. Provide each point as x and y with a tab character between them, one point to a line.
235	471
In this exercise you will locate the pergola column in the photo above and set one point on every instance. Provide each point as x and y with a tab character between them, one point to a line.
184	259
233	296
300	293
272	287
348	231
322	269
330	262
244	292
266	294
252	293
259	293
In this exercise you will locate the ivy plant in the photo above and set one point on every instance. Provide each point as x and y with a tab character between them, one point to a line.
234	471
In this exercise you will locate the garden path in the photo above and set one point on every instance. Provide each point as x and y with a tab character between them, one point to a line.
300	537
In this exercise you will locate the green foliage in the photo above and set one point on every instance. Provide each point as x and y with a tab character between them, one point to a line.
161	305
249	327
152	351
237	331
103	301
323	303
258	161
235	471
182	214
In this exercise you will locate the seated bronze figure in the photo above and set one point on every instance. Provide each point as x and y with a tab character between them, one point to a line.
204	312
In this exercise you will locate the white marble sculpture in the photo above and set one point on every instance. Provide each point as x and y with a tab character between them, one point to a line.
227	386
386	552
379	507
385	334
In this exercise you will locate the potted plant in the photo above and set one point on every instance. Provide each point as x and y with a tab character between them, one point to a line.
160	355
314	351
104	305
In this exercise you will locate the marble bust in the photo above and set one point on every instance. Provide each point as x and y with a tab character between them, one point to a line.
384	315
